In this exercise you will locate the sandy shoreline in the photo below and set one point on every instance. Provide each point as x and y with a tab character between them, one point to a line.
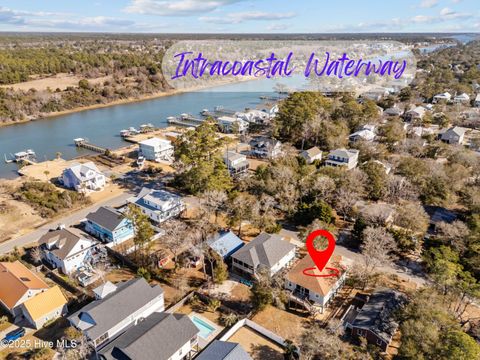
123	101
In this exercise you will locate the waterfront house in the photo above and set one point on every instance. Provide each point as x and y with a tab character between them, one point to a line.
225	243
454	135
476	103
267	251
230	124
160	336
318	291
445	97
343	157
237	164
223	350
84	178
461	99
416	113
158	205
17	285
312	155
104	319
375	320
27	298
266	148
109	225
44	307
156	149
67	249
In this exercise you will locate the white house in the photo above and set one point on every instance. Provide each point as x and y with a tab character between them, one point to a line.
461	99
236	163
311	154
254	116
267	251
446	96
363	134
454	135
132	301
264	147
160	336
394	111
158	205
415	113
318	290
156	149
67	249
232	124
343	157
84	178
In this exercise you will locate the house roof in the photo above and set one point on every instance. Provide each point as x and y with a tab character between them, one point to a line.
45	302
158	337
312	152
225	243
364	133
232	156
16	280
463	96
344	153
420	110
457	130
107	217
116	307
157	142
318	285
376	314
104	289
265	249
80	170
64	241
263	142
223	350
159	197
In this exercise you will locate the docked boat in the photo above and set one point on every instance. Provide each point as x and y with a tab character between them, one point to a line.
124	133
27	155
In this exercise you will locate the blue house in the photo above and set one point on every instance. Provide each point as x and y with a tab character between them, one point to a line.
225	243
109	225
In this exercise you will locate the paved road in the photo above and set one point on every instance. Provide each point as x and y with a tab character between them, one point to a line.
71	219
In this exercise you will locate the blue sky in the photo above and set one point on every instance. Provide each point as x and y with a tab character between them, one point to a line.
270	16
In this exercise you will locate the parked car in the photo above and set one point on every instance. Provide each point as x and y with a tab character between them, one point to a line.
15	335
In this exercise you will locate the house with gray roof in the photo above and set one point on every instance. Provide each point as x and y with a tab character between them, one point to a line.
347	158
158	205
67	249
375	320
237	164
454	135
109	225
160	336
225	243
133	300
311	154
417	113
83	178
264	147
223	350
267	251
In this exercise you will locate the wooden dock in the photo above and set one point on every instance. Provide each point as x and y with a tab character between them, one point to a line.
82	143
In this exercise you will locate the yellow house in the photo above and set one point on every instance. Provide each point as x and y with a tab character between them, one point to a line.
45	306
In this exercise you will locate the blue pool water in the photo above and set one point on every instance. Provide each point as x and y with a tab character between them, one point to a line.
205	329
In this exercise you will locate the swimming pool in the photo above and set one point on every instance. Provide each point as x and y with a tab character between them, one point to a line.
205	329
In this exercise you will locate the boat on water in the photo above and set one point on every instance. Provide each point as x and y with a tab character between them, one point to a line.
124	133
133	130
21	156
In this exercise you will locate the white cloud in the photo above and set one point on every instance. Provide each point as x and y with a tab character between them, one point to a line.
427	4
240	17
176	7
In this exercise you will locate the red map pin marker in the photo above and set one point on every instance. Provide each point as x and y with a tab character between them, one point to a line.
320	258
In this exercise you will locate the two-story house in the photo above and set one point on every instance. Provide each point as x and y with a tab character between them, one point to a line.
230	124
83	178
109	225
132	301
237	164
317	290
67	249
343	157
311	155
454	135
158	205
266	148
160	336
27	297
156	149
267	251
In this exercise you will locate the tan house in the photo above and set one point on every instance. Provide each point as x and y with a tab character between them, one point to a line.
45	306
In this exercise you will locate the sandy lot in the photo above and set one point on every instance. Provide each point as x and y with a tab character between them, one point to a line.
256	345
60	81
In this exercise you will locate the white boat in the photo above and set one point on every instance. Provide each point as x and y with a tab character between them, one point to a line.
25	155
124	133
133	130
